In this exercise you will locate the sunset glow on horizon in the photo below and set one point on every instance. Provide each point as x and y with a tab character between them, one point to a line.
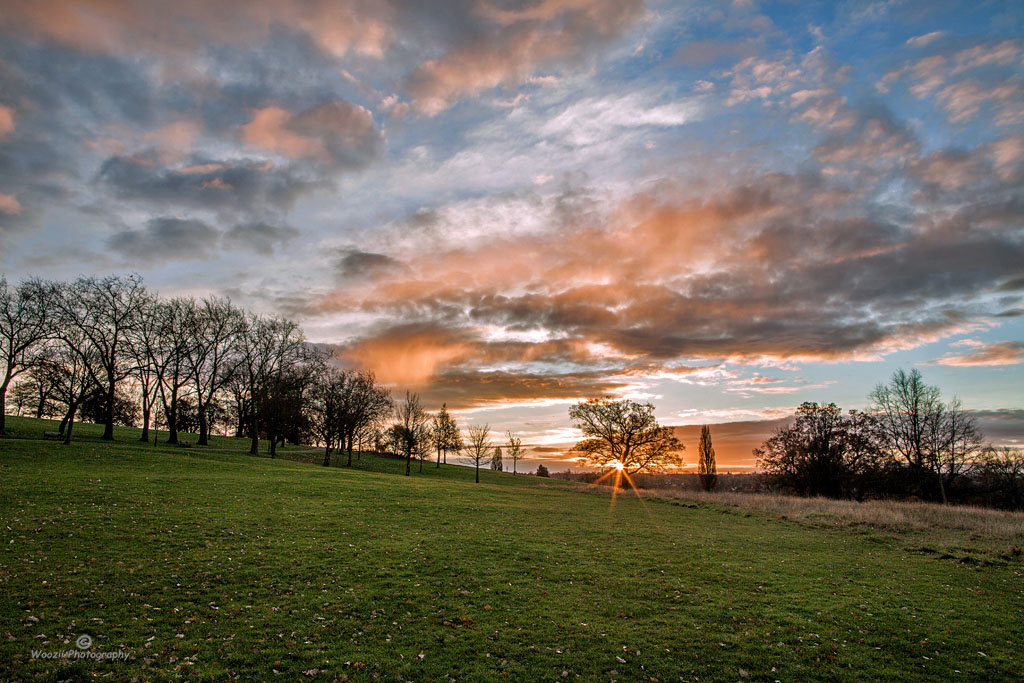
509	207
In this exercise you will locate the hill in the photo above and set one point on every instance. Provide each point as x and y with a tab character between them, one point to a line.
212	564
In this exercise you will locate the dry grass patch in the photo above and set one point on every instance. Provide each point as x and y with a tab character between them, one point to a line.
921	526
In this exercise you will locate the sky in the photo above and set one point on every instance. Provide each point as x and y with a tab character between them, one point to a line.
723	209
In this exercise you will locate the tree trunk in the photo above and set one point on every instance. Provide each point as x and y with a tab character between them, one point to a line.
327	456
254	447
146	412
273	444
478	471
63	424
438	457
3	405
172	419
71	423
349	444
408	463
108	412
204	425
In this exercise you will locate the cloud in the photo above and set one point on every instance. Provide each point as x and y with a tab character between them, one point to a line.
6	121
511	43
356	264
780	268
246	185
166	238
337	135
925	39
259	237
9	204
1002	353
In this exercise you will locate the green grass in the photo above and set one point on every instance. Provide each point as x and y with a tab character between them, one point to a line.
214	565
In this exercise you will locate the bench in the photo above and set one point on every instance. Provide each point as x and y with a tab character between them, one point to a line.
185	444
49	434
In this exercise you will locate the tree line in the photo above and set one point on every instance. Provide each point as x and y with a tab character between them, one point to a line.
109	350
909	442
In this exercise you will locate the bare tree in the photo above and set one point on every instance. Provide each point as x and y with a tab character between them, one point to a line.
143	344
326	399
496	463
514	450
67	370
269	350
24	318
445	434
707	469
103	309
624	434
170	358
214	325
936	440
411	429
478	447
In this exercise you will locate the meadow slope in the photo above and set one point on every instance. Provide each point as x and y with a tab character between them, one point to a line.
214	565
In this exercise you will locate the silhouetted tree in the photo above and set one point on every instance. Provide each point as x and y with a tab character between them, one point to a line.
542	471
937	441
478	447
214	326
445	434
706	466
24	326
514	450
103	309
496	463
411	430
822	453
624	434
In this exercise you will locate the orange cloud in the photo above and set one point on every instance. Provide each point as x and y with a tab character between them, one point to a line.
1003	353
180	27
336	133
9	204
6	121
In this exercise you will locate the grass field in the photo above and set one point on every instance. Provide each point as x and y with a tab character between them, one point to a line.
209	564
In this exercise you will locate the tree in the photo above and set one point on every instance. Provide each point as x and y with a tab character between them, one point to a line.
937	441
270	353
169	357
24	325
706	467
542	471
624	434
496	463
143	344
326	398
1002	475
410	429
478	447
445	434
822	453
103	309
514	450
214	325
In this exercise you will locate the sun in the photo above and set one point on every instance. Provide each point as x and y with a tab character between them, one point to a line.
619	465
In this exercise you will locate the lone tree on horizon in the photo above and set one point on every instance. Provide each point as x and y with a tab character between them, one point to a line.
706	466
514	449
478	449
624	434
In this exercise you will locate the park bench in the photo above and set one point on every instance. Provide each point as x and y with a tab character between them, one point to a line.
49	434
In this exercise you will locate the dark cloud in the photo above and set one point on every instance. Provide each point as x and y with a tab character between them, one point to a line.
244	185
260	237
355	264
166	239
